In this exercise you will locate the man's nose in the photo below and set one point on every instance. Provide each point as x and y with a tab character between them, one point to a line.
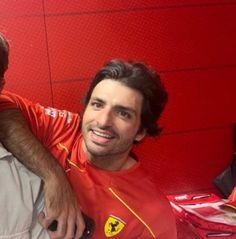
105	118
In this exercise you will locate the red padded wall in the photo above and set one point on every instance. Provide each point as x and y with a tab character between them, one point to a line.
57	48
23	24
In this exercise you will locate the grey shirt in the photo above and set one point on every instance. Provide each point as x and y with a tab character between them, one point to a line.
21	200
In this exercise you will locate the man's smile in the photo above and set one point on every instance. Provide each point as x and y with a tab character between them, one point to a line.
101	136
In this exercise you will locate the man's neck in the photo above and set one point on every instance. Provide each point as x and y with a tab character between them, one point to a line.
113	164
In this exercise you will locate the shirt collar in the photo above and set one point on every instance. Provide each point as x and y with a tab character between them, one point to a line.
4	152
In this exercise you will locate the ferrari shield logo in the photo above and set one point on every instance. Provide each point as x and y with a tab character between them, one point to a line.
113	226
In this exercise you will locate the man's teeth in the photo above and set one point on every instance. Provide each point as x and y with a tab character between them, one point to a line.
102	134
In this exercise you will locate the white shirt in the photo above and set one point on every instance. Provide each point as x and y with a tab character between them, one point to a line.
21	200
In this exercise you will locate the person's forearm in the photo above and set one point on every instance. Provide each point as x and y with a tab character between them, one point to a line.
18	139
60	201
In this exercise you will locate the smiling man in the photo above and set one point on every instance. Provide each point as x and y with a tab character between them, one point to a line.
122	105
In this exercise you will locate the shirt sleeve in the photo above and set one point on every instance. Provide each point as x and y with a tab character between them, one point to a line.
6	102
51	126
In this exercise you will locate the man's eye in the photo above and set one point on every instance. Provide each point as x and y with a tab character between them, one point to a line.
124	114
96	105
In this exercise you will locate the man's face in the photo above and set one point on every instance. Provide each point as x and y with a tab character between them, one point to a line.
112	118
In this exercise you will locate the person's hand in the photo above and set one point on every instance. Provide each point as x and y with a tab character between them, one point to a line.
61	205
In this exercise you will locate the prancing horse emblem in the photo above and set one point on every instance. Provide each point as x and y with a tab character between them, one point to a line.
113	226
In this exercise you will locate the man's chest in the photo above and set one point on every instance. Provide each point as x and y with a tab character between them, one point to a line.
117	214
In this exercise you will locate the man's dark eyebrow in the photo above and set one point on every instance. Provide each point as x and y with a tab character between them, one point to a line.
98	100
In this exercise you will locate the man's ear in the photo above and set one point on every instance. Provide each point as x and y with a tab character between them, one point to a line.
140	135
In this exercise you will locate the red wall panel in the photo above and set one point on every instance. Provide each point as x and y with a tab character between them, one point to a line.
187	161
69	95
200	99
28	72
22	8
201	37
95	6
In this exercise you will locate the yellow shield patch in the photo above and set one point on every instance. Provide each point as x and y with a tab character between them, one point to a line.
113	226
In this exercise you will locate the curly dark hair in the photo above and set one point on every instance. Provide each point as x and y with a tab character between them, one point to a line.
141	77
